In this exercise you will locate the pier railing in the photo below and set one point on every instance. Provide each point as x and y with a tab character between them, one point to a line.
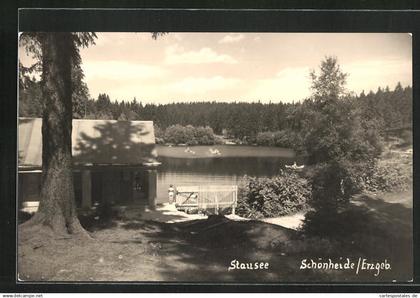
207	197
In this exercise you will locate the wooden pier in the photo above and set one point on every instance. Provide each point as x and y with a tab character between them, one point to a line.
207	197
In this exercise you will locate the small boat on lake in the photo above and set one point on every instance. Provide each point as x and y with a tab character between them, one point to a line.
294	167
188	150
214	151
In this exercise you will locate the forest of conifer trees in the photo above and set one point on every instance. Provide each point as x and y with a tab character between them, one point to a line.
384	109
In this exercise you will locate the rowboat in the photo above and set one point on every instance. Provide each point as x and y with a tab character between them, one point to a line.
294	167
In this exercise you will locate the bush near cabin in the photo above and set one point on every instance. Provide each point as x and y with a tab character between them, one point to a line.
189	135
284	194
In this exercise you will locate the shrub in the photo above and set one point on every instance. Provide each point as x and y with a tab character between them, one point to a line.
249	140
159	140
334	183
270	197
331	223
332	216
385	175
388	175
282	138
265	138
175	134
204	135
159	134
190	135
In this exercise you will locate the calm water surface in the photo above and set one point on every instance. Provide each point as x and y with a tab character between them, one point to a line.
198	166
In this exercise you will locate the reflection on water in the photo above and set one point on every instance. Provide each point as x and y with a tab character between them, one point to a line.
220	169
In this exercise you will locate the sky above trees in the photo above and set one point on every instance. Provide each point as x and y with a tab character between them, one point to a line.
237	66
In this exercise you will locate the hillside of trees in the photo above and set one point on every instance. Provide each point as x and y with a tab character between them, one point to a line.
385	109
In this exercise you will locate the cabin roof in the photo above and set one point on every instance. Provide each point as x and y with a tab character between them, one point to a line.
94	142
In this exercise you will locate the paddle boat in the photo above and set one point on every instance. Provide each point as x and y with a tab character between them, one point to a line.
188	150
214	151
294	167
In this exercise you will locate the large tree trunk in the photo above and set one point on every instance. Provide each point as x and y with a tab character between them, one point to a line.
57	208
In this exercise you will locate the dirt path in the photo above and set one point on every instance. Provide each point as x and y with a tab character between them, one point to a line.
151	251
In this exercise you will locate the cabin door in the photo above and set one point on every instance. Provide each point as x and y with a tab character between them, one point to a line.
139	187
97	187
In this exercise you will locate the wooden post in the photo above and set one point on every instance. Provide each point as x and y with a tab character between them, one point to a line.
152	182
217	205
233	201
20	190
86	189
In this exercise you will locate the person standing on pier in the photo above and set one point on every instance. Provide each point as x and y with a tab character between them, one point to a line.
171	194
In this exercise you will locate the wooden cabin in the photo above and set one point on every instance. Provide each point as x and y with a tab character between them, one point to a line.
113	162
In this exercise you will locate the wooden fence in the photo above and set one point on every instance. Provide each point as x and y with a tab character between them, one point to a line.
207	197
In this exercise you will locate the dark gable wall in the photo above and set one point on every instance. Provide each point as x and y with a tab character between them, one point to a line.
108	184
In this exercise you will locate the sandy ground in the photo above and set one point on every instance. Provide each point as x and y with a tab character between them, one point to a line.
290	221
167	213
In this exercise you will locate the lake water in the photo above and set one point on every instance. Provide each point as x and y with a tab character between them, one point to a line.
198	166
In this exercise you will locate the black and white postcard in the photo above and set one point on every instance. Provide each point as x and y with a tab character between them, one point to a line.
214	156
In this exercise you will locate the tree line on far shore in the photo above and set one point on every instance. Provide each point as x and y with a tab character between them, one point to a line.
271	124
